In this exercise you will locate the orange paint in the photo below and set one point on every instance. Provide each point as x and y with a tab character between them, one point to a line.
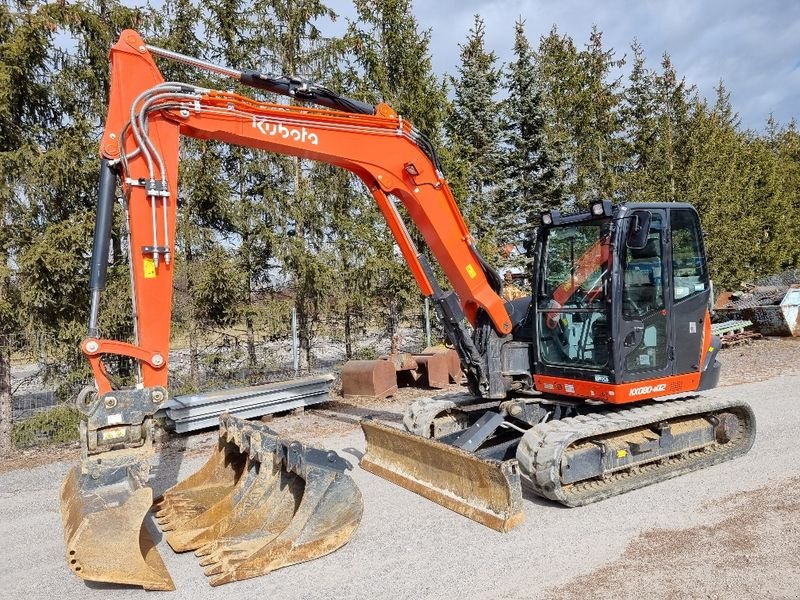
617	393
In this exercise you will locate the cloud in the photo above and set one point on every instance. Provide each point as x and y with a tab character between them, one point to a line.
752	46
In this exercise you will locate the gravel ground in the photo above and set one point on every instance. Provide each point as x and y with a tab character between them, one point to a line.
731	531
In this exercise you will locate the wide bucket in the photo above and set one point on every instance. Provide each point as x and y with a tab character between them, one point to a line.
485	490
260	503
104	533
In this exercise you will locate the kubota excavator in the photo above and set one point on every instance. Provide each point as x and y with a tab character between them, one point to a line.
568	387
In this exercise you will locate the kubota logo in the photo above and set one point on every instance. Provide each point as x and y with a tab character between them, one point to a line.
281	130
647	389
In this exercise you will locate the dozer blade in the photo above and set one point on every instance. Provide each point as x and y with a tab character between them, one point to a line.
260	503
104	530
485	490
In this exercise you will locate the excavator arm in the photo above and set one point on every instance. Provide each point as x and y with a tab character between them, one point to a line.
147	115
261	502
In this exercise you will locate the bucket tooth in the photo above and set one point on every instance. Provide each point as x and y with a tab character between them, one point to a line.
104	533
485	490
181	535
289	504
204	488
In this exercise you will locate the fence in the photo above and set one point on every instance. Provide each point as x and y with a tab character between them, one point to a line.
44	379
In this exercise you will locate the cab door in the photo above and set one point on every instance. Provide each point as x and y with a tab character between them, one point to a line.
643	341
689	288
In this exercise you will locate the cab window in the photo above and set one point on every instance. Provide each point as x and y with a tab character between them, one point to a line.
689	276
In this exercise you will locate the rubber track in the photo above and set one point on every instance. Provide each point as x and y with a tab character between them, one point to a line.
540	450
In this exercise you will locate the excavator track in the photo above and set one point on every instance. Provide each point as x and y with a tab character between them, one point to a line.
545	452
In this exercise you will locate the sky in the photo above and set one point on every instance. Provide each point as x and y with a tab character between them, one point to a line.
753	46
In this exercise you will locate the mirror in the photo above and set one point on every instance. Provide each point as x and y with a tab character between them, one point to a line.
638	229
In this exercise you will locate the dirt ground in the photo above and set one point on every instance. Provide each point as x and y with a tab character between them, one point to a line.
753	552
731	531
759	360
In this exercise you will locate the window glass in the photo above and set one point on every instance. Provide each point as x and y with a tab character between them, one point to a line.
643	300
574	338
573	320
688	264
576	265
643	284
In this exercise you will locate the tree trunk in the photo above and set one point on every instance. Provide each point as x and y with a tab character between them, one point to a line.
193	354
251	342
304	356
348	334
5	399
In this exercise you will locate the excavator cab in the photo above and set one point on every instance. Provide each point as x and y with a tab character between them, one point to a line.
622	295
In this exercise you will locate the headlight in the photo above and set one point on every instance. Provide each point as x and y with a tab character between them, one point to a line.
597	209
547	219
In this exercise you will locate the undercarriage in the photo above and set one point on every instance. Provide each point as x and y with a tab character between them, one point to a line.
571	452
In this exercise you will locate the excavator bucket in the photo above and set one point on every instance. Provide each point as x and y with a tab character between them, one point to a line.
260	503
105	500
104	532
485	490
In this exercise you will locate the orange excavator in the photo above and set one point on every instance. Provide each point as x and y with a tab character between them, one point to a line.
563	383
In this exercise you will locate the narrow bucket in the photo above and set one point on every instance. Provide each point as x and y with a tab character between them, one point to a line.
104	533
484	490
260	503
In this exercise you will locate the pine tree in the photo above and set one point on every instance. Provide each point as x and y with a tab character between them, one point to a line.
640	120
598	148
584	102
655	116
672	111
560	77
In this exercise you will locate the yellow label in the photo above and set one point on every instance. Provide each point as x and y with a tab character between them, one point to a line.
149	267
622	453
471	271
113	434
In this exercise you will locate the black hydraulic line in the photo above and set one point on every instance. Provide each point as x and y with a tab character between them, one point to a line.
102	238
293	87
304	91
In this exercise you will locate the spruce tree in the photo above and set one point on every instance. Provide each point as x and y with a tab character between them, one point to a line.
584	100
640	121
389	61
531	175
473	131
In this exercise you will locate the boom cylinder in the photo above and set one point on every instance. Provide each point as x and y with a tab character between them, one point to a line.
102	238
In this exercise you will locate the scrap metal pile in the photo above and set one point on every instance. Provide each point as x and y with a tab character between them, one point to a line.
773	309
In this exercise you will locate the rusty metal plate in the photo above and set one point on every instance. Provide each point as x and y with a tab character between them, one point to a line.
453	361
435	369
484	490
286	504
104	533
374	378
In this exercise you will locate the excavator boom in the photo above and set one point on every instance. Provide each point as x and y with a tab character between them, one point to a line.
260	502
